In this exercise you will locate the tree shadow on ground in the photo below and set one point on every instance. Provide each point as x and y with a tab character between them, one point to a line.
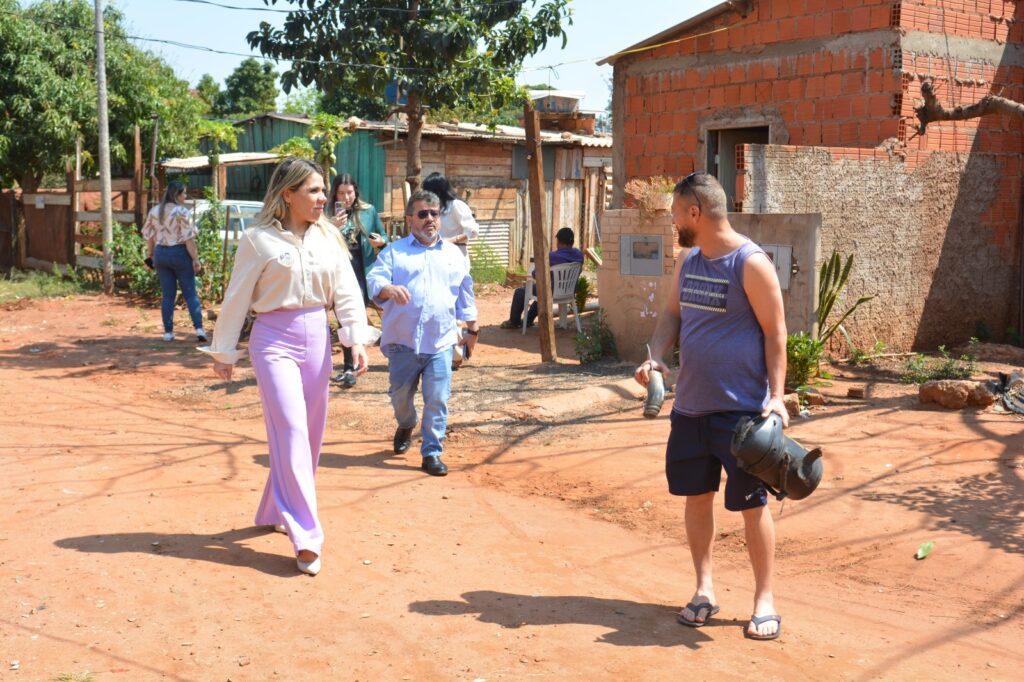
224	548
98	355
630	623
989	506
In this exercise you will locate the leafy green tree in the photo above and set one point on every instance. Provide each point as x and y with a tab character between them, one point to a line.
208	90
330	130
48	91
250	89
343	99
303	102
443	52
295	146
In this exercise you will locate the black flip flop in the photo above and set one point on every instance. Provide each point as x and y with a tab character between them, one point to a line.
759	620
696	609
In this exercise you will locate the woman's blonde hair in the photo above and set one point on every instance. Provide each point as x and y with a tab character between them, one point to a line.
290	174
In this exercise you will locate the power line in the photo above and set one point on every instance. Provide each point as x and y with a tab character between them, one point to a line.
351	10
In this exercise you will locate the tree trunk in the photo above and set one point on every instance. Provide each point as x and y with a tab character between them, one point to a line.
413	163
30	183
932	110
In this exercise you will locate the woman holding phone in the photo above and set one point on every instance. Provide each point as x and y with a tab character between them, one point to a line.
290	267
363	232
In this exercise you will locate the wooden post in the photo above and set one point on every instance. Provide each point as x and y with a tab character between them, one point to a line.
71	231
76	200
152	197
20	233
538	228
221	178
138	180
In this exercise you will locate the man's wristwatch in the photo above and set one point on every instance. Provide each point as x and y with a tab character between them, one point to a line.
472	332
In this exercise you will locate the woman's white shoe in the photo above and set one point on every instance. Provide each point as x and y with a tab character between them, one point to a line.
279	528
309	567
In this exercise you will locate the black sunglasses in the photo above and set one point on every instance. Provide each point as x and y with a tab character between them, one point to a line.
687	183
422	215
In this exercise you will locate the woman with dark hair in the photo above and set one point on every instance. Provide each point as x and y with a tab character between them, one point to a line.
458	225
364	235
290	266
170	238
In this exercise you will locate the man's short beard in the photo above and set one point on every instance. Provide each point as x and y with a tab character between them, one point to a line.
686	237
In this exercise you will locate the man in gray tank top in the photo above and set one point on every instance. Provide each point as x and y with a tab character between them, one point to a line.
726	313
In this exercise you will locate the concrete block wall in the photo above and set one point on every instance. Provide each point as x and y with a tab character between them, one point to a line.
633	303
915	225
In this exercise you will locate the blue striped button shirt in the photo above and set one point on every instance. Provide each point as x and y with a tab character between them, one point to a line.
440	287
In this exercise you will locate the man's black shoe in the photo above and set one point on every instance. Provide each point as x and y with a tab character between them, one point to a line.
403	439
433	465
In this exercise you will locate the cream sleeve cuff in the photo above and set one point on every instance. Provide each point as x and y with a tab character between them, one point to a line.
362	334
228	357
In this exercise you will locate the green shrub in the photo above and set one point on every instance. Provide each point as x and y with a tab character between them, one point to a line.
129	250
595	341
832	279
920	368
582	293
212	282
485	266
803	353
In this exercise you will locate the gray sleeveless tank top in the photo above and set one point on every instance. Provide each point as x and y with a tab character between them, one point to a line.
721	345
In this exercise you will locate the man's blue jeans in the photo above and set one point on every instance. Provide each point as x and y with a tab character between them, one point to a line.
174	267
405	367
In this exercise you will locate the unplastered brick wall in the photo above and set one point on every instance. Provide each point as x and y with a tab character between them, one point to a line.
816	72
919	225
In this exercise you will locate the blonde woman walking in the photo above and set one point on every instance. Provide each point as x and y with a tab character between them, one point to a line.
289	268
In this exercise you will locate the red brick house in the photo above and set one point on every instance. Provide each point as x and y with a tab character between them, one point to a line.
807	106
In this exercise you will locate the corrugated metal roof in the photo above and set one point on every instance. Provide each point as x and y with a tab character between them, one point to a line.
200	162
474	131
464	131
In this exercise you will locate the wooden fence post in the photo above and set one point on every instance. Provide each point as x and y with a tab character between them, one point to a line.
538	227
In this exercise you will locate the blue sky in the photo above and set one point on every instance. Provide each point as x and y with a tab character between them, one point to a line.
600	27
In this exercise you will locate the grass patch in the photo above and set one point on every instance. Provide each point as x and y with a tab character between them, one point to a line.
920	369
484	265
20	284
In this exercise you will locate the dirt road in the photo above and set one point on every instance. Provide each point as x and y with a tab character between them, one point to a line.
131	475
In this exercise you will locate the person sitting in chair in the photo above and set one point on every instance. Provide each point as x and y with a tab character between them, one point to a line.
564	253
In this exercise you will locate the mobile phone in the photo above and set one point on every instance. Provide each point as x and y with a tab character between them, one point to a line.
339	209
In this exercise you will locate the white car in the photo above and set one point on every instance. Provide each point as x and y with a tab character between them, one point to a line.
239	214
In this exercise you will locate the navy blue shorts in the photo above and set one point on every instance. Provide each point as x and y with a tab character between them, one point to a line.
698	448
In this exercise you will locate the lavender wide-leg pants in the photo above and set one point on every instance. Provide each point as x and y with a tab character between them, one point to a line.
291	355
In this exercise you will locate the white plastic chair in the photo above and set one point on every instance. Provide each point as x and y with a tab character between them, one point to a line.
563	294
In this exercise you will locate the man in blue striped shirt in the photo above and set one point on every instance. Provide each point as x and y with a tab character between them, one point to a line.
424	286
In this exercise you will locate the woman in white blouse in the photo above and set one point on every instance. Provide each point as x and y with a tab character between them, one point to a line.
289	267
170	238
458	225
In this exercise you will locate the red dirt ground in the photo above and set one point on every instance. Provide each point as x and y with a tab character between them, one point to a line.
553	550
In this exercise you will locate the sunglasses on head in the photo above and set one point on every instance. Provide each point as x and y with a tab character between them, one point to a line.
687	183
422	215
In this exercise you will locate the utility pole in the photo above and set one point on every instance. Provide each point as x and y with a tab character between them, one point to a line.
106	218
538	229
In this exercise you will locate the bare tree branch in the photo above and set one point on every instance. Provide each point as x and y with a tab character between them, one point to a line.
932	110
